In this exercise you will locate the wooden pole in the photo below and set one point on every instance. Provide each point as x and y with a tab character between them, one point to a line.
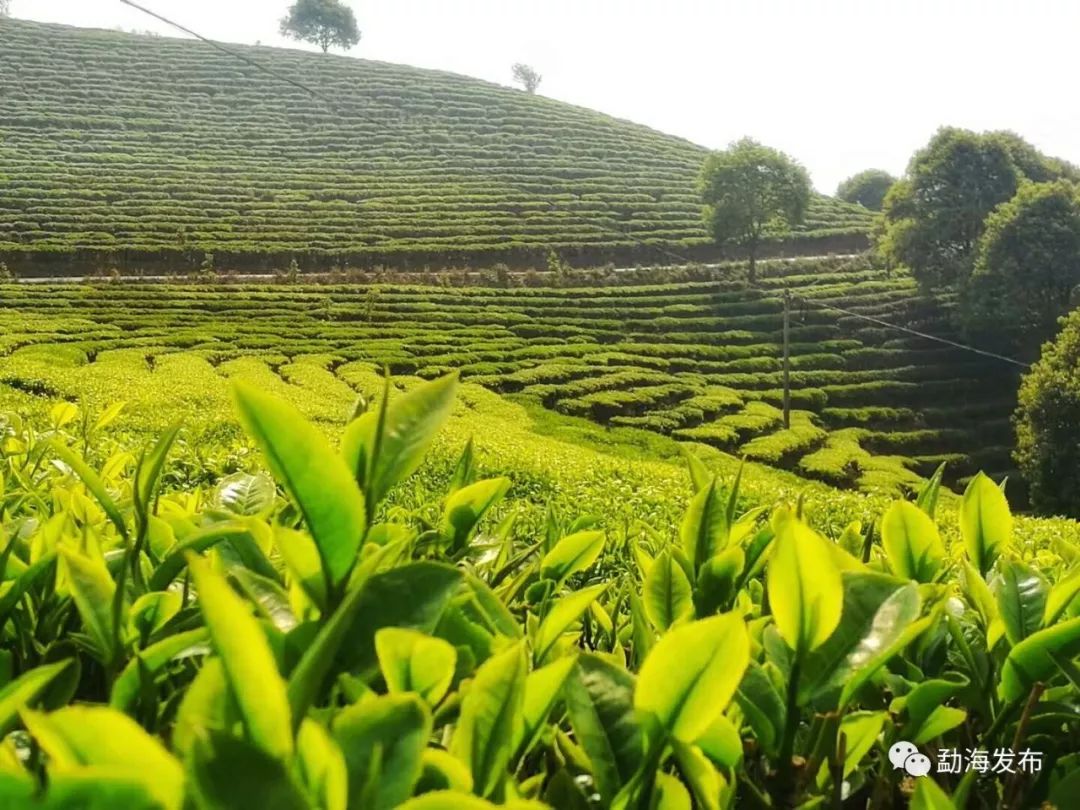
787	359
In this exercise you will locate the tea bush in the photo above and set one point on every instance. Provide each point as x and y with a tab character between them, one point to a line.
323	643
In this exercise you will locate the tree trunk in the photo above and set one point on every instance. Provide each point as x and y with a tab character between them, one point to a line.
752	275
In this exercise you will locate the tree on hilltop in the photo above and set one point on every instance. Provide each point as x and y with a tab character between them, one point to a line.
326	23
752	192
867	188
526	77
5	8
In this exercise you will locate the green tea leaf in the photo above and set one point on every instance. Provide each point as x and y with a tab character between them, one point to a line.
414	662
227	772
24	690
413	596
198	541
151	611
245	494
490	718
600	702
78	736
125	689
875	659
985	522
572	554
92	590
667	596
861	730
928	796
1021	594
322	767
248	661
93	483
542	688
806	594
314	475
465	507
700	477
1033	658
912	543
148	473
927	499
383	740
876	610
207	706
565	612
692	673
379	461
721	743
704	528
1057	601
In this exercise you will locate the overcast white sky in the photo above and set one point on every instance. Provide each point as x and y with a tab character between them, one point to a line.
842	85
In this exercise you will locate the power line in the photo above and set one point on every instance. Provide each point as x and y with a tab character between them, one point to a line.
231	52
850	313
915	332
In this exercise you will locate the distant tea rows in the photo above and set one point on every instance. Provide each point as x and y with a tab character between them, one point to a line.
132	152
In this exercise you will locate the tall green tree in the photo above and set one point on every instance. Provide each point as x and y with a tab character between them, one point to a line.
752	192
1047	442
326	23
867	188
934	216
1027	265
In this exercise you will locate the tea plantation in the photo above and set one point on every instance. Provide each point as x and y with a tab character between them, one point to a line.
126	151
874	409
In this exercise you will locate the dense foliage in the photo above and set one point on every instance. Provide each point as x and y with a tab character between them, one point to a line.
233	648
135	152
867	188
936	214
752	192
698	361
326	23
1027	267
1048	450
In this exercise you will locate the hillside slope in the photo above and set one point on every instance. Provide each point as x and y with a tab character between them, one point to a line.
699	361
132	151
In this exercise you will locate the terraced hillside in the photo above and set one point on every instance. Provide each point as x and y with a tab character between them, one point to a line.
698	361
132	152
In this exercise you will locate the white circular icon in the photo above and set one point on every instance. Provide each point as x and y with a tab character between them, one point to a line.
900	751
905	755
917	765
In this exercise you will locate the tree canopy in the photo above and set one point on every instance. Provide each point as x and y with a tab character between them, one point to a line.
936	214
326	23
867	188
527	77
1027	265
1048	445
752	192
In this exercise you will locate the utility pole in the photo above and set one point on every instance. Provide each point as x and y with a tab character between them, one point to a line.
787	359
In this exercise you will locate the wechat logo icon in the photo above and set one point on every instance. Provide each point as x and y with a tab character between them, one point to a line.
906	756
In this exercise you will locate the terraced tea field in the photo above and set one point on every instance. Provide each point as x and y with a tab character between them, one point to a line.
873	409
134	152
